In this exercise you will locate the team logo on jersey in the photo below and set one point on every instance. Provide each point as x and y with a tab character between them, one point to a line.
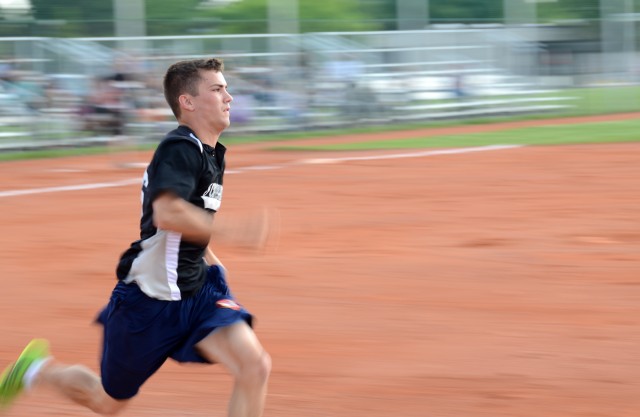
213	197
226	303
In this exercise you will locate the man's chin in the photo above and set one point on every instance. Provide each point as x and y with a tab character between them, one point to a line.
223	125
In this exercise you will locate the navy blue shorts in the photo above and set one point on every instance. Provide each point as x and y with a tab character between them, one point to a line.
141	333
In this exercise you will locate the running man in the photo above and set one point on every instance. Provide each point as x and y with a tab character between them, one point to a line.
171	299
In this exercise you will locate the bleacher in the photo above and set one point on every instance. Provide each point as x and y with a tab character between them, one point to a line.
331	80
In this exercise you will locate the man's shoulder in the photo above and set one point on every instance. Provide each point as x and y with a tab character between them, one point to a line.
178	147
181	136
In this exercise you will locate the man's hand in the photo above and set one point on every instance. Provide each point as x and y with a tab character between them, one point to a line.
256	229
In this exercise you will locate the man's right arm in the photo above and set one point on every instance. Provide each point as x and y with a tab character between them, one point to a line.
171	212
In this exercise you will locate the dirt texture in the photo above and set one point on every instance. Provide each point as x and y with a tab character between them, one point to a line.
480	284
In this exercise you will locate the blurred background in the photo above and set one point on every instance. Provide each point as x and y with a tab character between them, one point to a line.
78	76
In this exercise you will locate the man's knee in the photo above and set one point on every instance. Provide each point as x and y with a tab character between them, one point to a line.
264	368
80	384
257	370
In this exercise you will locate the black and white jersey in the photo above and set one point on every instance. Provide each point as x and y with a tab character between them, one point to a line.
164	265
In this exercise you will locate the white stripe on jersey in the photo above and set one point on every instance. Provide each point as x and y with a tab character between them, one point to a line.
199	142
155	269
171	259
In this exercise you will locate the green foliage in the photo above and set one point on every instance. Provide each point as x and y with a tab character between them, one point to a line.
466	11
382	12
569	10
93	18
250	16
171	17
181	17
334	15
245	16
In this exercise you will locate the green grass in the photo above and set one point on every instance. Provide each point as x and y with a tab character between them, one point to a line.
604	132
51	153
310	134
603	100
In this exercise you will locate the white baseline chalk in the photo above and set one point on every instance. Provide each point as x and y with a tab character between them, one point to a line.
133	181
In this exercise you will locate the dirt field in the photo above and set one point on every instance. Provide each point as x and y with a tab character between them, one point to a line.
494	283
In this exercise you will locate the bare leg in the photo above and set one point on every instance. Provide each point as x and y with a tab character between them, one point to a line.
238	349
79	384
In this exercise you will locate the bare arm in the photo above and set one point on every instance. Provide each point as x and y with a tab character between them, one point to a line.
171	212
250	230
195	224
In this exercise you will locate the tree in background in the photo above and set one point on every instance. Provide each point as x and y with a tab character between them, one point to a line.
183	17
569	10
466	11
172	17
250	16
91	18
245	16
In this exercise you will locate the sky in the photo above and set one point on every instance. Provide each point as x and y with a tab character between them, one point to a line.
15	4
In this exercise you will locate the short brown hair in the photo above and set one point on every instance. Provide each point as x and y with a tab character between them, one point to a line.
183	76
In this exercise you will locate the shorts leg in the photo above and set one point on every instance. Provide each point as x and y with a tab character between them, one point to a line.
139	334
213	307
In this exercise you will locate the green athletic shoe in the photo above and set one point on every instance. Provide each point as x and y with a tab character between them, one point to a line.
11	380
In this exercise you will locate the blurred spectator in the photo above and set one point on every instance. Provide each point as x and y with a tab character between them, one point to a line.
105	110
459	86
362	102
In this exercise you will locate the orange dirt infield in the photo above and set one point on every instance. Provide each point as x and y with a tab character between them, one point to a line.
496	283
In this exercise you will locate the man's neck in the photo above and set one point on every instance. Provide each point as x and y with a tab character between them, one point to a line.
205	135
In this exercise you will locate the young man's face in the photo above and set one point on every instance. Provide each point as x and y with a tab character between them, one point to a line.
212	104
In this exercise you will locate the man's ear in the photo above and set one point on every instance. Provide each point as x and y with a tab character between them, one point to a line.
186	103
